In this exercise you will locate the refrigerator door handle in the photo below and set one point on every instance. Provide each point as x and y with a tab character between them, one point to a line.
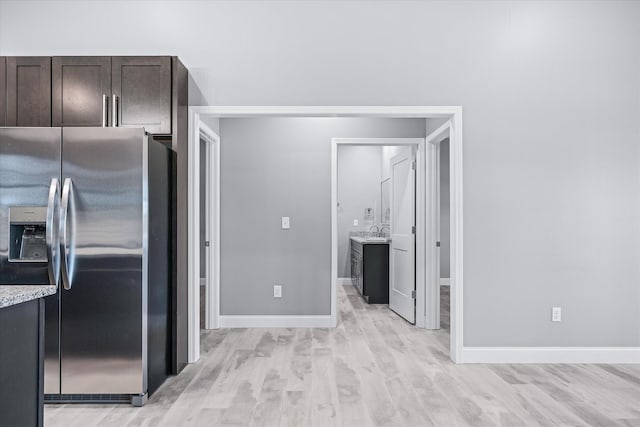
105	108
66	246
53	232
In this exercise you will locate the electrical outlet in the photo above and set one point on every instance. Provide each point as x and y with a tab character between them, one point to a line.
285	223
556	314
355	222
277	291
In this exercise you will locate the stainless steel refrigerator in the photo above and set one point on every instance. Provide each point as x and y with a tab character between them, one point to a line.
90	209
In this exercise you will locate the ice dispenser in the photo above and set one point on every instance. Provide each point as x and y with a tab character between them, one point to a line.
27	234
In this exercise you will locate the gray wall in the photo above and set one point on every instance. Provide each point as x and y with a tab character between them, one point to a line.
551	98
388	151
434	124
445	231
282	167
359	172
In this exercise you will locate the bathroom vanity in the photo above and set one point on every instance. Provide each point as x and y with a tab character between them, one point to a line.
370	268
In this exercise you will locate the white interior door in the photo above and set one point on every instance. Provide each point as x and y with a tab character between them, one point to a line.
402	276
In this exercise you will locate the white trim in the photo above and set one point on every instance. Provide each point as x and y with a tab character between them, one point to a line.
421	238
445	281
454	113
276	322
212	309
432	295
424	112
420	214
344	281
198	130
334	233
550	355
193	259
440	134
456	235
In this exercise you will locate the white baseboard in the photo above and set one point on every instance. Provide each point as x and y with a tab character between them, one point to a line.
445	281
276	322
609	355
344	281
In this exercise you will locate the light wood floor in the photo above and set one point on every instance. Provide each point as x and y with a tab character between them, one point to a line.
373	369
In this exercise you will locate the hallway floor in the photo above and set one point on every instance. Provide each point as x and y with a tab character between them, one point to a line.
373	369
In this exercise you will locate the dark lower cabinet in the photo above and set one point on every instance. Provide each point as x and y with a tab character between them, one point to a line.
142	89
81	90
28	91
3	91
21	364
370	271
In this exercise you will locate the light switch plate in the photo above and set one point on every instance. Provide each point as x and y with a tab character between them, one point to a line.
556	314
355	222
285	223
277	291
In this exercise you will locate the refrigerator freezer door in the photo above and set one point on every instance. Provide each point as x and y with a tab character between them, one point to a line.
103	314
29	161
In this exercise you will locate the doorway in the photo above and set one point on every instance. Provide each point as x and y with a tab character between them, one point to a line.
439	234
453	114
378	222
208	227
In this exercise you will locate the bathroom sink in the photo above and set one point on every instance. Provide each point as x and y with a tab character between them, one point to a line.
365	239
376	239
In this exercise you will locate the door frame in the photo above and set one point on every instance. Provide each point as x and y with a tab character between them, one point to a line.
201	131
453	113
432	313
420	203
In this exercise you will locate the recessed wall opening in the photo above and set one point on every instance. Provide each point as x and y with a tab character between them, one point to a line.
280	159
378	220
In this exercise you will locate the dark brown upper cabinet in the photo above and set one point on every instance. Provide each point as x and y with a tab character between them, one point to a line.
141	88
28	91
81	90
3	91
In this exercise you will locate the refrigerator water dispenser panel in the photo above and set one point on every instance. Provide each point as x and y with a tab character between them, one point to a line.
27	234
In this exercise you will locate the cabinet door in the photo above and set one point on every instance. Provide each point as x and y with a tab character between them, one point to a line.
29	91
3	91
142	86
79	85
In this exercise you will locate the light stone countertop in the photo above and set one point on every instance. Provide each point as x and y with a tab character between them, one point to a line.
366	241
15	294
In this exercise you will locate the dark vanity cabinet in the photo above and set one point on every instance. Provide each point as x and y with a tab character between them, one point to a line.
370	270
28	91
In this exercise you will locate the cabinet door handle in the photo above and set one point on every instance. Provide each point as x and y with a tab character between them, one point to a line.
114	109
105	109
